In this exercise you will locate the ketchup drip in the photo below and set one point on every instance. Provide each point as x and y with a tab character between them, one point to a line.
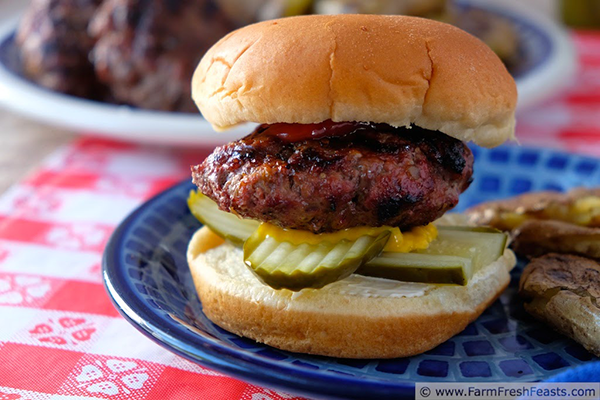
299	132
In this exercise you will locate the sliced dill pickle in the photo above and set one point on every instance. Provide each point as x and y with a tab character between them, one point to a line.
484	229
482	245
227	225
282	264
453	257
415	267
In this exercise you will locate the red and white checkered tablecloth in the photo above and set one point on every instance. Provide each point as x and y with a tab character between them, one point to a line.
61	338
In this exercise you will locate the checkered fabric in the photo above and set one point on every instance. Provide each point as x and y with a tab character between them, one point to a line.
60	336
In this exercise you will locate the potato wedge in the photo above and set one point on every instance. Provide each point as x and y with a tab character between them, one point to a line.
563	291
580	206
535	238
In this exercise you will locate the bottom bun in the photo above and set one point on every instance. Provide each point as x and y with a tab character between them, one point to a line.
357	317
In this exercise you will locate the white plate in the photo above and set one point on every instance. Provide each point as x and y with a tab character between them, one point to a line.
548	57
102	119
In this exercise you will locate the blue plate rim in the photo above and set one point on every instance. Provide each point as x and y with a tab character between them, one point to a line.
523	20
216	354
280	376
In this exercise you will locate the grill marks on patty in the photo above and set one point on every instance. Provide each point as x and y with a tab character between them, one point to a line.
377	175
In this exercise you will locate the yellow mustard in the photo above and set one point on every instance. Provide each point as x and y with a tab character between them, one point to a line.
417	238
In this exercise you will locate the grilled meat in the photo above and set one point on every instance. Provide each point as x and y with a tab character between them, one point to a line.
374	175
54	45
147	50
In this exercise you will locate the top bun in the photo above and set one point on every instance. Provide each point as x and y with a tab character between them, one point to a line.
387	69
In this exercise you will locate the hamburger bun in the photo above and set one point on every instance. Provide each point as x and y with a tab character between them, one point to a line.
386	69
357	317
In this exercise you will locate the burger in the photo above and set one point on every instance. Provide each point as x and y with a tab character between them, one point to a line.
321	227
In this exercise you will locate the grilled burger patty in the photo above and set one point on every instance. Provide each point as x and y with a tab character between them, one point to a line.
372	175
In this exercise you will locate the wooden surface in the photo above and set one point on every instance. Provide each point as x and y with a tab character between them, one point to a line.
23	144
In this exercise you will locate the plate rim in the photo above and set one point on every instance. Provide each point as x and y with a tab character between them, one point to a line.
562	62
284	377
123	122
159	127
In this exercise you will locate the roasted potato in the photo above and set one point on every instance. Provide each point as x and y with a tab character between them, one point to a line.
563	291
580	206
538	237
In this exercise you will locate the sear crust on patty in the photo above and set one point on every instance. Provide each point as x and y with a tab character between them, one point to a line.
376	175
54	44
146	50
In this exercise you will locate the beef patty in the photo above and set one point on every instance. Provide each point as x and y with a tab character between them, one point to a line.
373	175
54	44
146	50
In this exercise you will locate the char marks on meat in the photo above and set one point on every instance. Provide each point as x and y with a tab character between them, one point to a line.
54	44
146	50
376	175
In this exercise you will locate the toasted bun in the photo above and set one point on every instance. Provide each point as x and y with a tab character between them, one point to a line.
389	69
357	317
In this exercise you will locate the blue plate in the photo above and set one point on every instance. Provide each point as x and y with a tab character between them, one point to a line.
147	277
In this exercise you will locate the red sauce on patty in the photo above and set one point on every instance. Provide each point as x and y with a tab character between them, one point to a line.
298	132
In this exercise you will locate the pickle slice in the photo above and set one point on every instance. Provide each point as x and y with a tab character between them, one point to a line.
482	245
484	229
227	225
285	265
453	257
415	267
